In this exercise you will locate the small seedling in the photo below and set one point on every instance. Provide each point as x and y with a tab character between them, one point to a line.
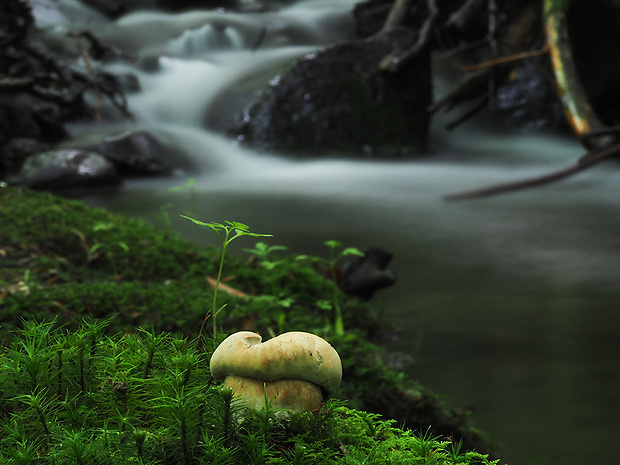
227	233
262	252
331	263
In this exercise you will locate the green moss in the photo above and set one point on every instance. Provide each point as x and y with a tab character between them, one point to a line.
51	271
85	396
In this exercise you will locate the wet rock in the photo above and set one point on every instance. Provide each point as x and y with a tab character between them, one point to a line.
336	101
66	169
134	153
368	274
528	99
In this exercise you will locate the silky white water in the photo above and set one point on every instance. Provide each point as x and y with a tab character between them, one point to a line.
507	304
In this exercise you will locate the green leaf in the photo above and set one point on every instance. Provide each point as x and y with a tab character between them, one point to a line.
103	227
95	247
351	251
333	244
123	246
220	309
237	225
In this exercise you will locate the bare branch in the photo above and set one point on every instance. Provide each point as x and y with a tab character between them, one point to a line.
587	161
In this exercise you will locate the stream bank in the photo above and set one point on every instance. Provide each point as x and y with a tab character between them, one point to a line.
63	261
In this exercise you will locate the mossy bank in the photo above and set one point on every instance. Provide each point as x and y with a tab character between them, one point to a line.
64	262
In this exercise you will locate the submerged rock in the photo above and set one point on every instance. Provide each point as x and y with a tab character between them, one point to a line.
66	169
337	101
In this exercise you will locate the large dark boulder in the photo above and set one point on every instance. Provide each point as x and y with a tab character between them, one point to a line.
338	101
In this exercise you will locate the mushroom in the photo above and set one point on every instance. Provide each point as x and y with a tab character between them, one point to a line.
294	370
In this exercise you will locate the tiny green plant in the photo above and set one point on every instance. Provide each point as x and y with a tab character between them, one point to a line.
227	233
331	263
262	251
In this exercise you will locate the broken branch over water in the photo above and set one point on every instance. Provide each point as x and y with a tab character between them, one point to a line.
587	161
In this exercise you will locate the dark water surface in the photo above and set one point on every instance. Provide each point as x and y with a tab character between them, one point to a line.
509	304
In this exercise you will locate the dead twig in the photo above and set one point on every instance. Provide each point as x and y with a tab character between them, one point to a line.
587	161
506	59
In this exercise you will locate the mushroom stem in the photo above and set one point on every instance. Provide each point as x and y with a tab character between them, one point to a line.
291	394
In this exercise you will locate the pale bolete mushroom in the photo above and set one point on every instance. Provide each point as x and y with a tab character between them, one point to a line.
294	370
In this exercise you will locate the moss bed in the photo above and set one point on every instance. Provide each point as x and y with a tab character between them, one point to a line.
100	361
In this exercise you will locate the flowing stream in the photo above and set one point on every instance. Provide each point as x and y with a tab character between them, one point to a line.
509	305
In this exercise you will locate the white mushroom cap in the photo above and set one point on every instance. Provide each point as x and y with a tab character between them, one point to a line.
293	355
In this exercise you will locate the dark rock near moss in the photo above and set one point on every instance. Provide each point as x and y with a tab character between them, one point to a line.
367	274
134	153
66	169
337	101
